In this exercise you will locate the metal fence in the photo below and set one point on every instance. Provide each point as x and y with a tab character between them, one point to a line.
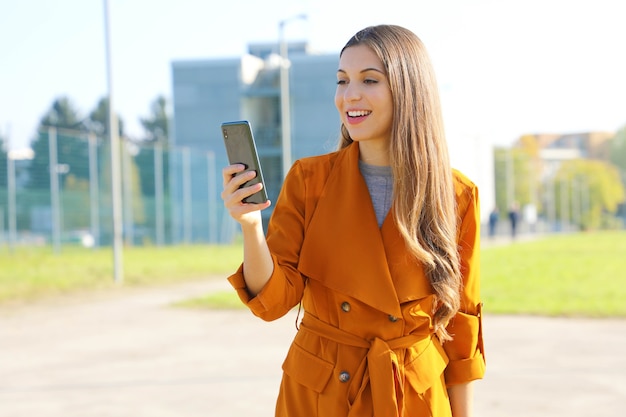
62	194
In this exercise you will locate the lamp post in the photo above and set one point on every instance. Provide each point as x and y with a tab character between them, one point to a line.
285	115
116	176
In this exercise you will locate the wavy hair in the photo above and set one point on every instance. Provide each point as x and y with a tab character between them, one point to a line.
424	201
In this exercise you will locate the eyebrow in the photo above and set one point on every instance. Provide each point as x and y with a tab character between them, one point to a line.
365	70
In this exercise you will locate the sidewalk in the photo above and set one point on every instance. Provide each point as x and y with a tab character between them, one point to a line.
129	353
504	239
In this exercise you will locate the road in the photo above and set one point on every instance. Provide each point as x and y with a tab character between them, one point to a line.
129	352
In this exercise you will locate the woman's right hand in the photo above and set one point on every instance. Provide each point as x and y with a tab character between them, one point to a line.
246	214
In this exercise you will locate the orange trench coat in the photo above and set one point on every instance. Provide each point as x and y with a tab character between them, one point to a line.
365	345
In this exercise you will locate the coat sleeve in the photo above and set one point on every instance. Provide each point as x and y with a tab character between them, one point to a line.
284	237
466	351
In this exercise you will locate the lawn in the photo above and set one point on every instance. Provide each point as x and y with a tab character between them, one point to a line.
563	275
580	274
29	273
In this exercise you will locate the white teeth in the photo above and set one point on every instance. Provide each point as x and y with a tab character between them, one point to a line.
358	113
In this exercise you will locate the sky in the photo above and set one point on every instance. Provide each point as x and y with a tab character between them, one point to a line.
505	67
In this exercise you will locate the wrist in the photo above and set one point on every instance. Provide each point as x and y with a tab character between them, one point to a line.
252	228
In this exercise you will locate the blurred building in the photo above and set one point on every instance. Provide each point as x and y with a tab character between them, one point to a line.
553	149
591	145
209	92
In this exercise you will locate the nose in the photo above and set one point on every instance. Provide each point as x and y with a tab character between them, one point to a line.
352	92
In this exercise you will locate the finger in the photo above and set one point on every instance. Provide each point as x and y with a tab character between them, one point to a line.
244	192
230	171
234	192
238	181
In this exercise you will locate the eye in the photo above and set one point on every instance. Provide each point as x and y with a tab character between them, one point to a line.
342	82
370	81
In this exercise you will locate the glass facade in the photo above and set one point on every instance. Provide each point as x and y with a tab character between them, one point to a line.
209	92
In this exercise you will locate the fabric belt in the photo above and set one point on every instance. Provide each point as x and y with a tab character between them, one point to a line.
381	372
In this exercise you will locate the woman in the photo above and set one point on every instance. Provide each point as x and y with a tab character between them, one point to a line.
379	243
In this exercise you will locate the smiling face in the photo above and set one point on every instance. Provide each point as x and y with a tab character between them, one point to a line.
363	97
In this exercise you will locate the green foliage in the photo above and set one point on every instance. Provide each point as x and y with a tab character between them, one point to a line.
62	115
99	119
588	193
156	125
71	149
515	177
618	151
3	162
570	275
131	183
3	144
147	158
594	186
618	158
38	170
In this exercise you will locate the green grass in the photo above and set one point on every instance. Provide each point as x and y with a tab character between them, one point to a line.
567	275
221	300
570	275
28	273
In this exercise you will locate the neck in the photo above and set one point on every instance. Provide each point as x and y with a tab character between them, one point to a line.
374	153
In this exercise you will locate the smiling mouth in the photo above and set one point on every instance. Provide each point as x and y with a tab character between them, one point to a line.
359	113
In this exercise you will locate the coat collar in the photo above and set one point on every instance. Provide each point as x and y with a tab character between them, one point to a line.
345	250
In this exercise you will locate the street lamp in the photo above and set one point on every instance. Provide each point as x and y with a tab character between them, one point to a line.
116	175
284	93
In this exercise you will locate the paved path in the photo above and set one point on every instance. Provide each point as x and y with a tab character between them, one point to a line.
129	353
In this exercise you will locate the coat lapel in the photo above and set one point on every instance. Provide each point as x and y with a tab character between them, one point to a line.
408	275
343	246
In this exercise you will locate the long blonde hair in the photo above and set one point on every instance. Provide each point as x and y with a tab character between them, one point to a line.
424	201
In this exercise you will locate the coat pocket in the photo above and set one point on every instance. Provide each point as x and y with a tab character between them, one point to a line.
307	369
426	367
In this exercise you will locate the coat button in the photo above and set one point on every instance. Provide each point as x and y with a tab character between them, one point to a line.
345	306
393	318
344	376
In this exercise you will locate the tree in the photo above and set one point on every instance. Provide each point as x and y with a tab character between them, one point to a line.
3	162
98	120
516	178
618	158
530	145
156	125
591	188
131	186
72	151
63	115
618	152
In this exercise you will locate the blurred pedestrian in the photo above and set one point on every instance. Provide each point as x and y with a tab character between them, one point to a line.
513	219
494	216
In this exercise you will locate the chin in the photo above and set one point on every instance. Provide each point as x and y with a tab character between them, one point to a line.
355	136
358	138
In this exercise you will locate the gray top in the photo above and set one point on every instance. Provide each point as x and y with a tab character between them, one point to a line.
380	184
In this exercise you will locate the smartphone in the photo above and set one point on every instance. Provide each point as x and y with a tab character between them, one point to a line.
241	149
